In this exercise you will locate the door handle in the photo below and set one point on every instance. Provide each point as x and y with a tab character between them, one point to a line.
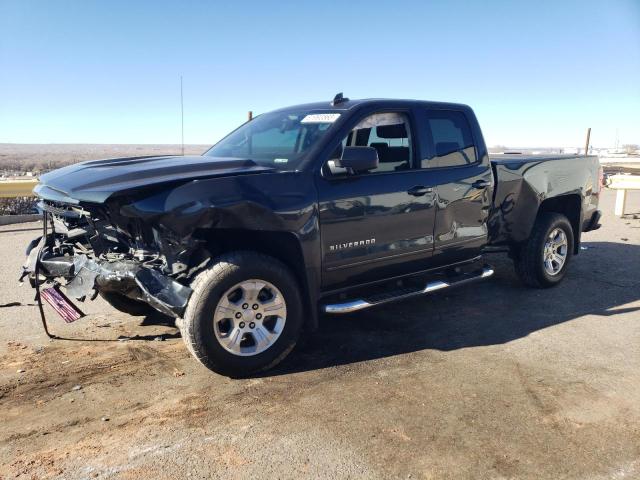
481	184
419	190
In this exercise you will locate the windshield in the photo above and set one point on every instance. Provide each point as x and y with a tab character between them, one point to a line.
277	139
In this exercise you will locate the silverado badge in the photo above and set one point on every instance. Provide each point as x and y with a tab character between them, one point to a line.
346	245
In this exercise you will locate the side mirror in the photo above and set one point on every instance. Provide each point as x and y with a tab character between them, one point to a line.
359	159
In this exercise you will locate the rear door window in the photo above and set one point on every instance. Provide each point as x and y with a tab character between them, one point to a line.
450	138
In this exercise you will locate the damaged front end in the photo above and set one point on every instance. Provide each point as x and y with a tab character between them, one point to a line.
91	249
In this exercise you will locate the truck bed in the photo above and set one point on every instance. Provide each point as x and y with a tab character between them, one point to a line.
517	158
524	182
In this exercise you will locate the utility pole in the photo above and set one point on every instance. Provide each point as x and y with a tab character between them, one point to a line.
586	145
181	116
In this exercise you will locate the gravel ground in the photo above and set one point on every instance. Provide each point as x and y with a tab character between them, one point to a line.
492	380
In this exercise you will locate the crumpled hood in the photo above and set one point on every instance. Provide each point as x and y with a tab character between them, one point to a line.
95	181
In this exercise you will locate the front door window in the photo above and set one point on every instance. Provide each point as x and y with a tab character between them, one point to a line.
389	133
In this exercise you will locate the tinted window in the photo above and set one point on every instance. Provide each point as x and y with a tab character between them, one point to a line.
274	141
278	139
388	133
451	139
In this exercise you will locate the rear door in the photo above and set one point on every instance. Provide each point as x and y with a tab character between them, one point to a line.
380	223
454	154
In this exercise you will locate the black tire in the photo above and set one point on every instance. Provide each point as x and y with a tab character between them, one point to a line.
197	325
127	305
529	257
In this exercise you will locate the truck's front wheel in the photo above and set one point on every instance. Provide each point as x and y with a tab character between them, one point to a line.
245	314
542	260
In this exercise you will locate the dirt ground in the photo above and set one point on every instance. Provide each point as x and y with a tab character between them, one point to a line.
492	380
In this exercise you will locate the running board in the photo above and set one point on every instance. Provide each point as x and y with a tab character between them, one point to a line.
361	304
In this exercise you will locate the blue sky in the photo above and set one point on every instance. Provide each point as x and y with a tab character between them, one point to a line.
537	73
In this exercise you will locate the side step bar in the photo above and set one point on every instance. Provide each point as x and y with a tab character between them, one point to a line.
361	304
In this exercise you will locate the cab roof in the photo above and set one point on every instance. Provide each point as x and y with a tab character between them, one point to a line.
349	104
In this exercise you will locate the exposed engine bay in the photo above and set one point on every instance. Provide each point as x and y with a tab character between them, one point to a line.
87	250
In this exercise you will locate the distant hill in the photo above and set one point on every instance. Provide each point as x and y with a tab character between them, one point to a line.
16	157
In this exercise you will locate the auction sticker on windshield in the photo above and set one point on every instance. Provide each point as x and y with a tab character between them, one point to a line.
320	118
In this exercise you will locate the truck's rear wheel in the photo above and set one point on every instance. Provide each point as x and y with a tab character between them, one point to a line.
543	259
245	314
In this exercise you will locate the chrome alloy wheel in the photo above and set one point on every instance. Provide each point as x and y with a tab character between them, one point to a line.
555	251
249	317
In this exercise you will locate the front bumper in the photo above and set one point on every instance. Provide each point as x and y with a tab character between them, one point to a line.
84	276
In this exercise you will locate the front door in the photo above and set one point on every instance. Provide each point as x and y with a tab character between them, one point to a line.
380	223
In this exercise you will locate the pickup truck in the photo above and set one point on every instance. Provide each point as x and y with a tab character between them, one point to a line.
324	208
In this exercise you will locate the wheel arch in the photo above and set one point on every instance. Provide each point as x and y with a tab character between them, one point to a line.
283	246
570	206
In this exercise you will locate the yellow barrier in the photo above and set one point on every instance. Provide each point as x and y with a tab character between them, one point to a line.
17	188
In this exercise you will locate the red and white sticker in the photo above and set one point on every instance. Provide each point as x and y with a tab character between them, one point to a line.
61	304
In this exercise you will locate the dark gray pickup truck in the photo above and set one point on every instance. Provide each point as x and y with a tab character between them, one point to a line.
329	207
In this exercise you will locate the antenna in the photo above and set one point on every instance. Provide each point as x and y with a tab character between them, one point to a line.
339	98
182	116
